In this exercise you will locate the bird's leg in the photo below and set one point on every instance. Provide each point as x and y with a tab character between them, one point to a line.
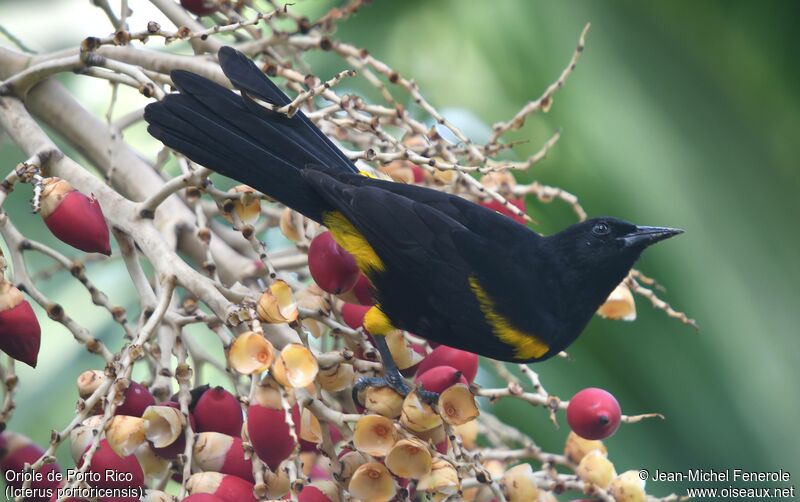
378	325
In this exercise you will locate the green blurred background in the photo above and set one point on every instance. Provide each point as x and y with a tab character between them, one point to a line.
683	114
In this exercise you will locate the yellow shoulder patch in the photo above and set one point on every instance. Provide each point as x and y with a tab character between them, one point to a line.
347	236
376	322
526	345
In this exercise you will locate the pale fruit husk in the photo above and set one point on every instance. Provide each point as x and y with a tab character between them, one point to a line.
336	378
247	205
383	401
409	458
295	367
53	192
82	436
153	465
277	304
596	469
402	353
619	305
349	462
468	432
268	395
10	296
163	425
443	478
445	176
209	450
278	483
310	429
89	381
372	482
519	484
628	487
495	180
417	415
457	405
316	328
204	482
288	226
156	496
433	436
125	434
251	353
374	435
399	170
577	447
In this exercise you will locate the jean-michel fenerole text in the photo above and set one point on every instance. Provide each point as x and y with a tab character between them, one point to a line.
729	475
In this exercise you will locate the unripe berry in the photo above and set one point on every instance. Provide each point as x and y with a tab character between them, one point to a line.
593	413
20	334
465	362
628	487
332	268
136	399
596	469
200	7
439	378
73	217
217	410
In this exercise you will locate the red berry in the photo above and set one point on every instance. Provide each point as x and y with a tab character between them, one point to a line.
519	203
312	494
465	362
200	7
20	334
593	413
419	173
217	410
440	378
126	471
363	291
353	315
137	399
73	217
17	450
333	269
269	434
203	497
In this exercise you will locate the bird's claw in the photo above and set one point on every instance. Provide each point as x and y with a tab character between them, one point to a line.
396	382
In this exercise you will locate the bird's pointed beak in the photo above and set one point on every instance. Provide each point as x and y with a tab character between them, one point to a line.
646	236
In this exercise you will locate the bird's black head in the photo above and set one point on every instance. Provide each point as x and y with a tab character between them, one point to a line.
609	241
596	255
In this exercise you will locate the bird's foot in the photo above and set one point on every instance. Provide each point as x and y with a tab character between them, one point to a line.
396	382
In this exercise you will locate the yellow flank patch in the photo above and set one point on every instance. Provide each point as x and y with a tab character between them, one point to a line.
346	235
376	322
526	345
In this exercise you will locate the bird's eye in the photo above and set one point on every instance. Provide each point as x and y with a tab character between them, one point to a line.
601	229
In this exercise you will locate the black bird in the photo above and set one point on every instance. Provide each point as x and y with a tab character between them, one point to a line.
440	266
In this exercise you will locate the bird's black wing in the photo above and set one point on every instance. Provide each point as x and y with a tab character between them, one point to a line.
430	255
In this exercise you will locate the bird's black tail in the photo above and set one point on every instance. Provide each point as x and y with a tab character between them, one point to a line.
237	137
